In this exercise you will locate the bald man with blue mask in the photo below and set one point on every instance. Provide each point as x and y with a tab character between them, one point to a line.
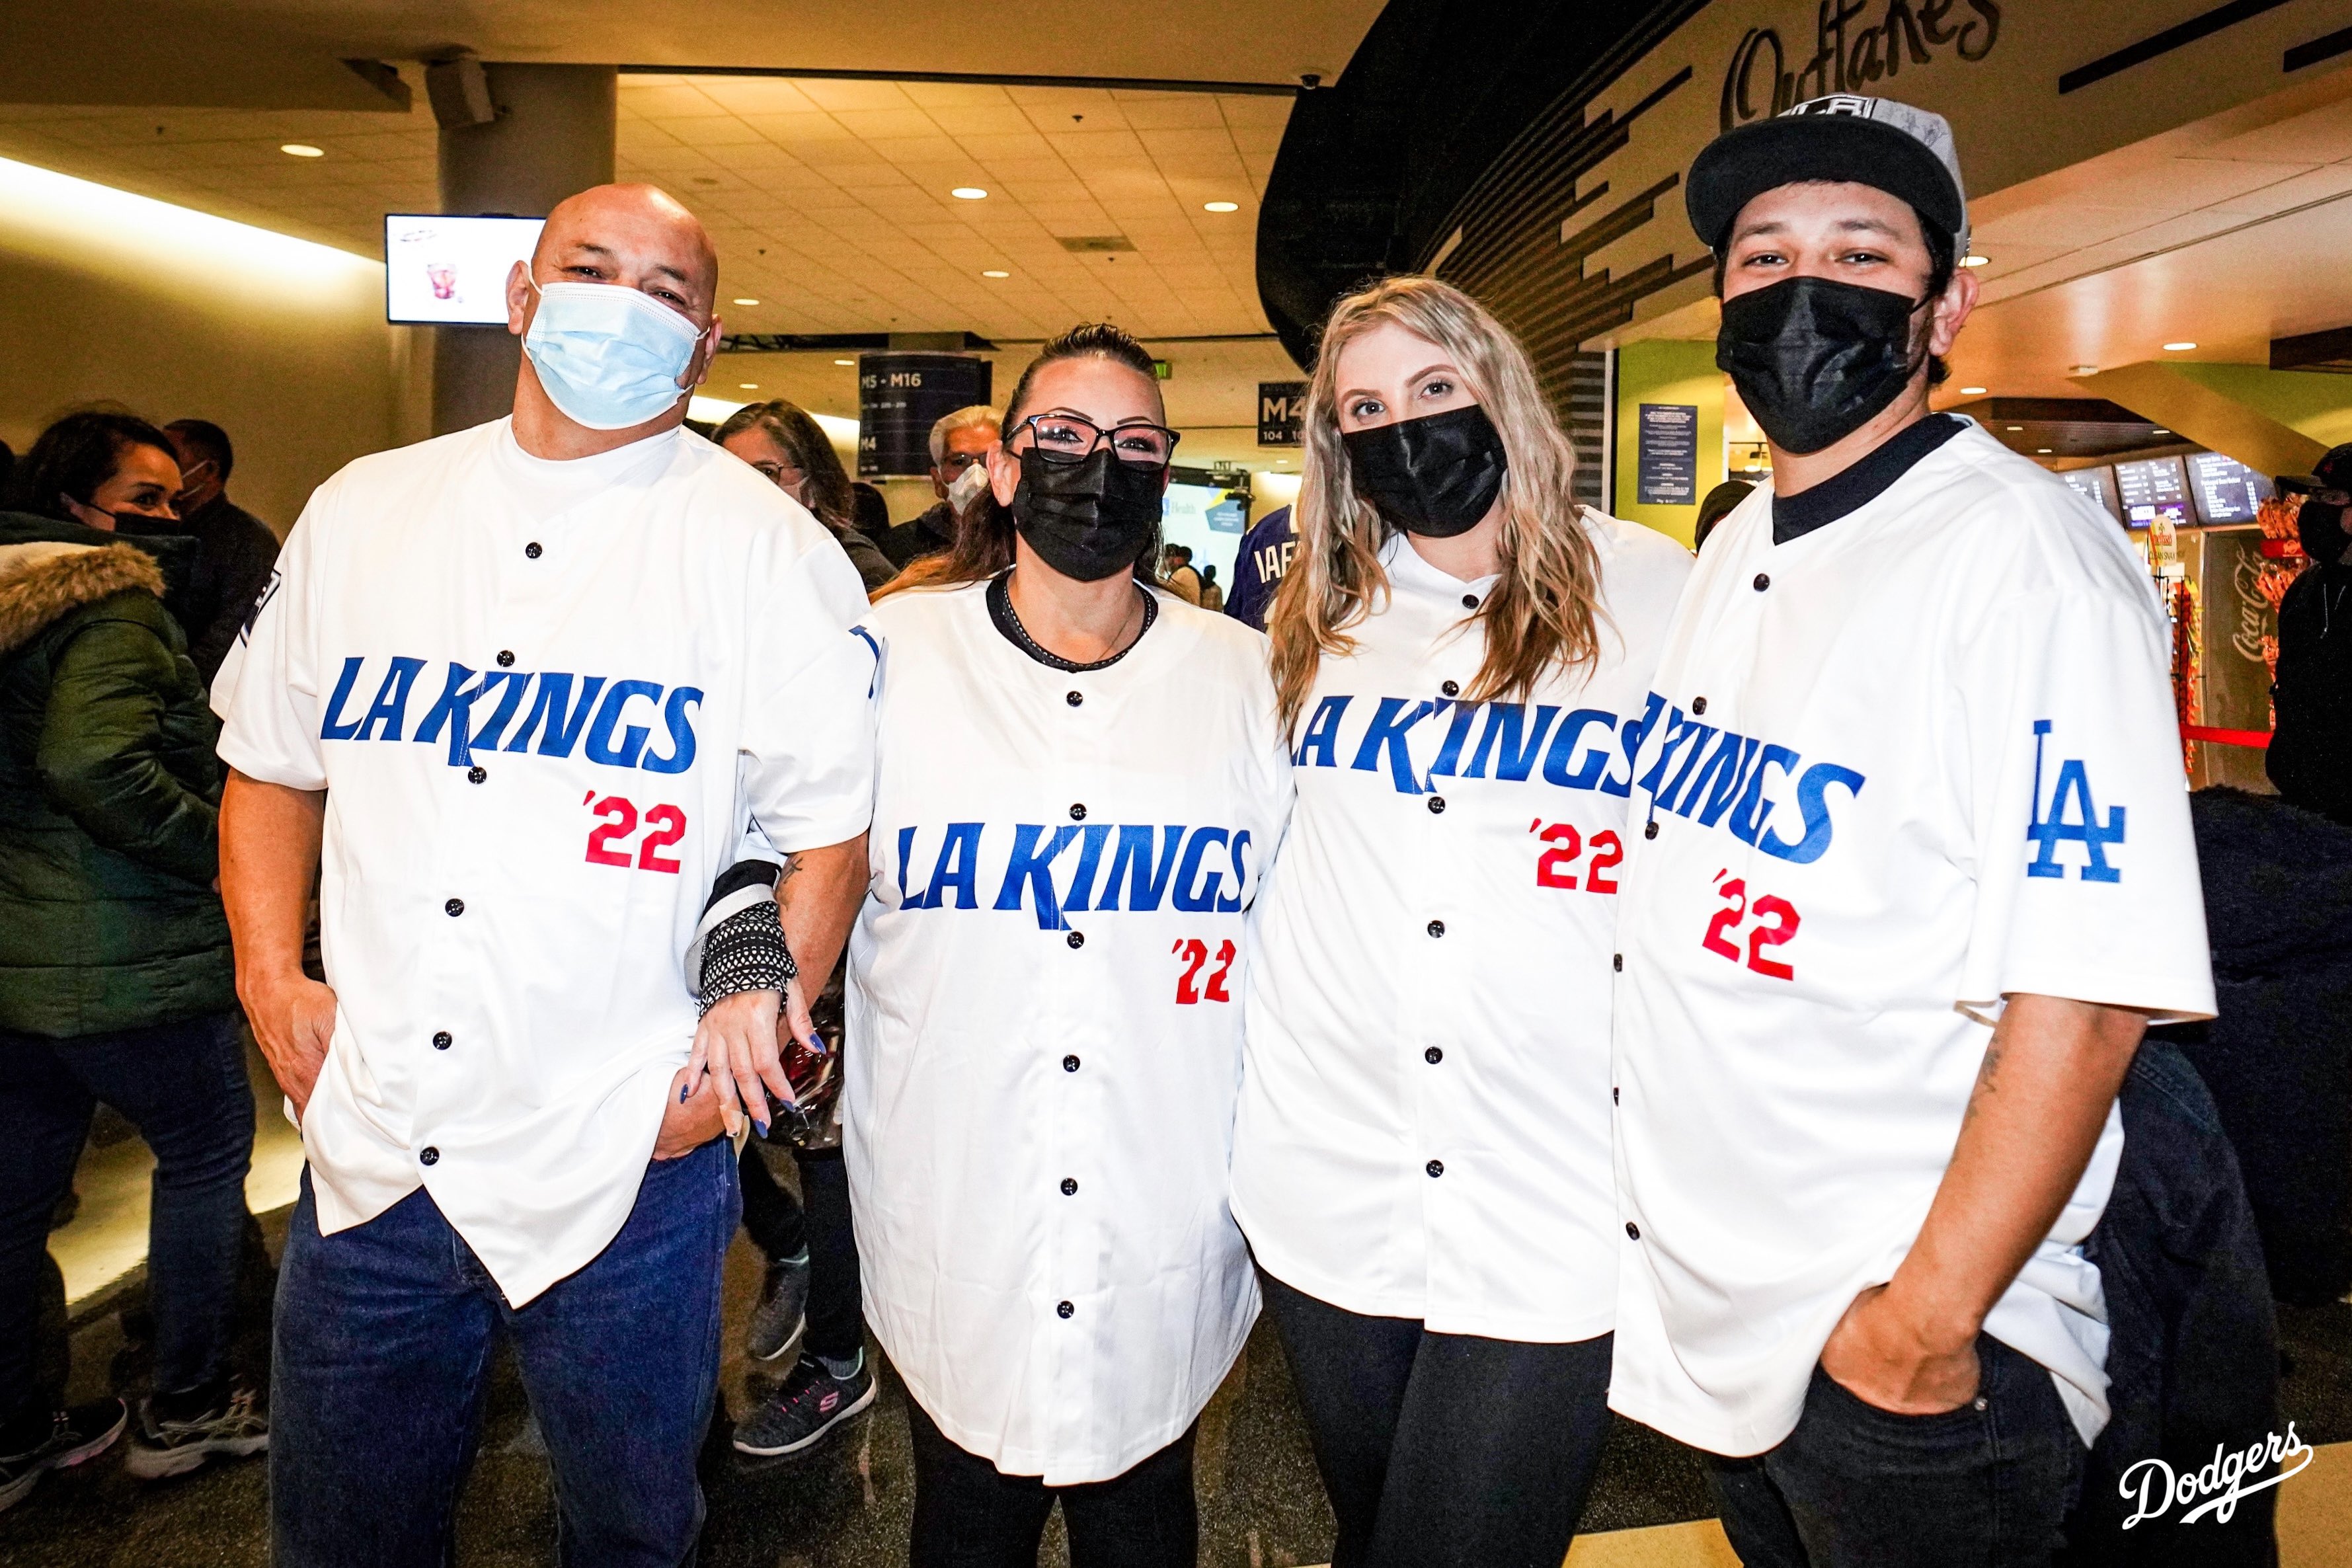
514	694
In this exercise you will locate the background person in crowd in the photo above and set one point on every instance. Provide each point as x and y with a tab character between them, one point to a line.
1176	575
793	453
1916	870
505	1140
1422	1156
235	551
1044	1027
1213	598
959	442
1258	567
1716	505
871	508
2310	755
115	978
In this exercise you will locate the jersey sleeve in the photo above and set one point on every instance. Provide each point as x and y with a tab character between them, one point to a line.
266	689
2072	780
807	765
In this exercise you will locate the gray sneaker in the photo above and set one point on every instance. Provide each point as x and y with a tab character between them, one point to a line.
783	1310
811	1402
234	1428
82	1432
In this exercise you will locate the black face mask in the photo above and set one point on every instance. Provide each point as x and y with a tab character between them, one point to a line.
2320	526
1814	359
1088	520
1436	475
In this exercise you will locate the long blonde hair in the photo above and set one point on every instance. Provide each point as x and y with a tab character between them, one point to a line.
1544	612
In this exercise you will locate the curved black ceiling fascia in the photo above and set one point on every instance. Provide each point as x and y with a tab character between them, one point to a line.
1371	166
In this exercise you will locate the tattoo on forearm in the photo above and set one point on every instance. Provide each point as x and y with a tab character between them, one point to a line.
1987	1079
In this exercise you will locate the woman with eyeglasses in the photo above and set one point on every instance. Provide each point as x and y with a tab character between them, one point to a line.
1079	781
1421	1160
781	440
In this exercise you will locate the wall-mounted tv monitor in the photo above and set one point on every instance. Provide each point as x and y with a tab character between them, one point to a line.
2153	487
2226	489
2096	485
452	271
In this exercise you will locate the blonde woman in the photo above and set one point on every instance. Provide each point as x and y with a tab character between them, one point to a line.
1422	1157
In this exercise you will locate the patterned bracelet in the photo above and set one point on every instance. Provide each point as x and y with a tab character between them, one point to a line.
746	952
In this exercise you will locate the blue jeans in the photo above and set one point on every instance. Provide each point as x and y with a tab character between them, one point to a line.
385	1333
1856	1487
183	1085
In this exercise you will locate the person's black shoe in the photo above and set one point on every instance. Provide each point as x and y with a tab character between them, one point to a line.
783	1310
811	1402
235	1425
82	1432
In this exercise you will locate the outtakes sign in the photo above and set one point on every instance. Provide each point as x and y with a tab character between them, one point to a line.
1857	47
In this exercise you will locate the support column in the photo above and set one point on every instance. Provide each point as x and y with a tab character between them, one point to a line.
552	138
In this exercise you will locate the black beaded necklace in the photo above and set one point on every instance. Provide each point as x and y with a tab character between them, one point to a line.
1008	621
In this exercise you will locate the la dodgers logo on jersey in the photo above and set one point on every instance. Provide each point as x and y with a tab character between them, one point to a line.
2070	815
598	716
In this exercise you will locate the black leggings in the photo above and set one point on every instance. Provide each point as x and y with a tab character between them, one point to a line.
1444	1450
780	1228
970	1514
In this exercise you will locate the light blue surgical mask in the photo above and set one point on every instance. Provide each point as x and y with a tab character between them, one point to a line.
608	355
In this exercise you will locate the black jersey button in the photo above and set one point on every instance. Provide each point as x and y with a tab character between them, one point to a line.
1469	601
1650	829
1436	805
1698	704
506	658
1433	1055
1078	812
1612	1095
531	551
428	1155
1617	962
1632	1231
442	1040
1762	582
1069	1064
1077	939
1437	927
1075	698
1435	1168
1066	1309
454	908
1069	1186
1451	688
477	775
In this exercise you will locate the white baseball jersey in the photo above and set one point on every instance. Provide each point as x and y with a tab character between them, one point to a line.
1045	1028
542	697
1424	1117
1901	767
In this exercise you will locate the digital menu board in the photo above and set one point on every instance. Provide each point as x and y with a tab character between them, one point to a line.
2153	487
2226	489
2096	485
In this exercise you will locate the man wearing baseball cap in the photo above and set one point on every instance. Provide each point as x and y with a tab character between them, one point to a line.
1915	873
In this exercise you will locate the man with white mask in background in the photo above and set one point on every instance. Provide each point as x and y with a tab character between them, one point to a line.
517	693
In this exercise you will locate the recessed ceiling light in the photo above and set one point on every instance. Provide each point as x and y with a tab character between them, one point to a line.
2016	426
845	361
1972	392
2085	370
2178	348
969	194
991	272
1974	261
2158	430
749	385
2043	450
1221	206
302	149
747	301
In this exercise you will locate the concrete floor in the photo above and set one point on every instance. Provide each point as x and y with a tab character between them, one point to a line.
849	1504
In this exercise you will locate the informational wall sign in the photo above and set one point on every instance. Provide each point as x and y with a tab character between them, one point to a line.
1668	474
900	397
1281	410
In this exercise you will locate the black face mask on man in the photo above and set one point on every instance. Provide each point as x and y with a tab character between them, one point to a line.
1091	519
2319	526
1816	359
1436	475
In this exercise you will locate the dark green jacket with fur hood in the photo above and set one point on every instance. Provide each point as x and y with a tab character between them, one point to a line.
109	794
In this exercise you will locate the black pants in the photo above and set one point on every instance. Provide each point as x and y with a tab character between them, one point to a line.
970	1514
1441	1451
780	1228
1858	1486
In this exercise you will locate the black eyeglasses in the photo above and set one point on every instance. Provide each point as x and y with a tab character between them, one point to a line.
1066	438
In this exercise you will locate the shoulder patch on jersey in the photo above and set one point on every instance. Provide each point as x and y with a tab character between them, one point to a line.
2070	815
